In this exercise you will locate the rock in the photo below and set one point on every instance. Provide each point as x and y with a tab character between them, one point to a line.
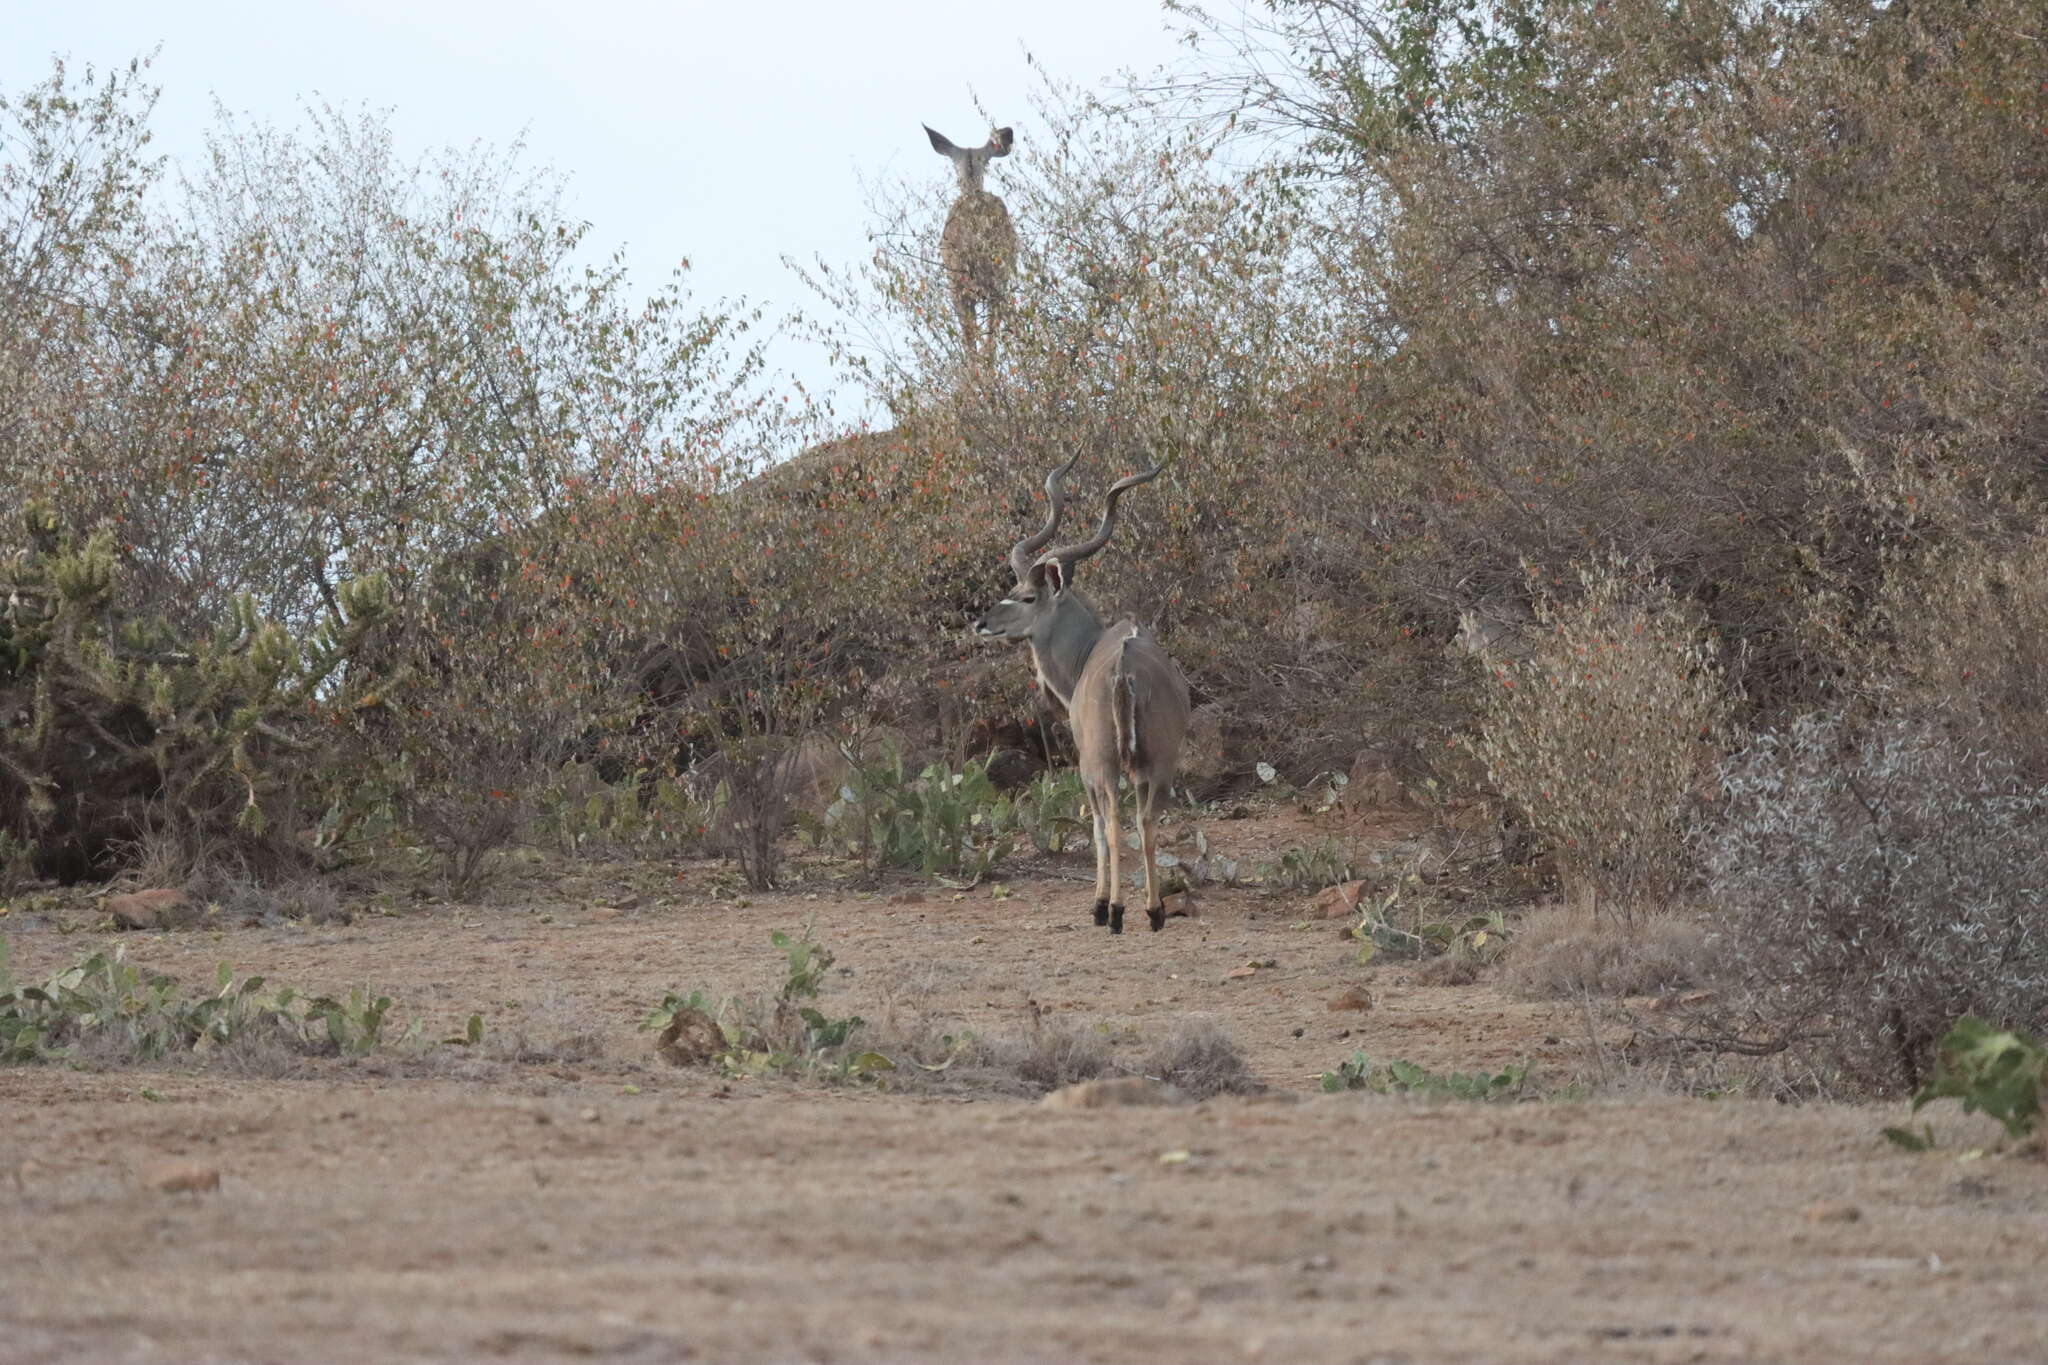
158	909
1350	999
1340	901
182	1177
1180	903
1104	1094
603	912
1374	784
1010	769
1205	750
692	1038
1833	1212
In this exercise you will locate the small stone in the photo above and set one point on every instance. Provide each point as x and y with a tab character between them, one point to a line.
1180	903
1103	1094
1833	1212
158	909
692	1038
1350	998
182	1177
589	1116
1339	901
604	912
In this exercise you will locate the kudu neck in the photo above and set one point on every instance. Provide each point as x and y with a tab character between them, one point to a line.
1061	647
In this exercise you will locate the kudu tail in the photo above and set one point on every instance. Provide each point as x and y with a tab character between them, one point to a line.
1124	696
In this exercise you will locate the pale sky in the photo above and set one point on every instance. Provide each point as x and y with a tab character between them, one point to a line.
730	132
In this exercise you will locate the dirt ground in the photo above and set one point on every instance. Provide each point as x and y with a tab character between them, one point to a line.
561	1193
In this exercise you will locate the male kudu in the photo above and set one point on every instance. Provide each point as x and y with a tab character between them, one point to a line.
1126	701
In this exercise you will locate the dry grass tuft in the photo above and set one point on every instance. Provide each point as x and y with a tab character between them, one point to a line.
244	901
1199	1059
1449	969
1565	953
1054	1053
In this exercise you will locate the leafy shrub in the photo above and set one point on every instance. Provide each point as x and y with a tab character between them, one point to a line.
1396	925
1606	735
109	1008
2001	1074
1308	869
128	728
758	1035
583	812
1357	1072
1053	812
1204	868
938	822
1883	881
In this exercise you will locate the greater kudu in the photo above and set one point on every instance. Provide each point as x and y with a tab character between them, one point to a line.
978	246
1126	701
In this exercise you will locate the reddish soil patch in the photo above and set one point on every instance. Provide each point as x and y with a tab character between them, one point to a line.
566	1195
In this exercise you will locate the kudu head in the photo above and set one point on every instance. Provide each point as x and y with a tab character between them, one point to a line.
1044	582
971	164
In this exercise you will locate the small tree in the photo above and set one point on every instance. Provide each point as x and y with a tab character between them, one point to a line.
1607	734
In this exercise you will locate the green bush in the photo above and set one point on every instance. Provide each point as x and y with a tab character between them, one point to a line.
129	728
758	1035
1356	1072
939	822
104	1007
2001	1074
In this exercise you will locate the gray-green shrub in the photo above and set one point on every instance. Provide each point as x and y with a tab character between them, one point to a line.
1881	882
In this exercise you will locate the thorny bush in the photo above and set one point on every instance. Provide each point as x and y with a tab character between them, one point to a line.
1884	881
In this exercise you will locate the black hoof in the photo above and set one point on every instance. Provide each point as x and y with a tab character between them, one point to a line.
1116	919
1156	914
1102	912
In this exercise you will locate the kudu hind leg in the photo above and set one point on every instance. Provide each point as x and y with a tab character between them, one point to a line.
1102	882
1148	826
1113	843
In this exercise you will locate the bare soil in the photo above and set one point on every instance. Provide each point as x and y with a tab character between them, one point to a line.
561	1193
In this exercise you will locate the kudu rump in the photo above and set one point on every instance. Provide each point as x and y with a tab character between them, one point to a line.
1126	701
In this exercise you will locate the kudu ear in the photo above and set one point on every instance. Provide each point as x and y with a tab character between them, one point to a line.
1048	577
941	145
